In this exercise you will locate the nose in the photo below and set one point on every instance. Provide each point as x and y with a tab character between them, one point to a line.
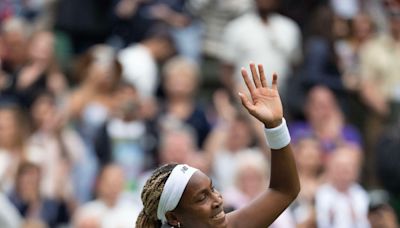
217	200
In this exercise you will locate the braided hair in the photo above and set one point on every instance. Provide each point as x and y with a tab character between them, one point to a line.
151	194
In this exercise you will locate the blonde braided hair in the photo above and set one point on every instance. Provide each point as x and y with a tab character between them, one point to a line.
151	194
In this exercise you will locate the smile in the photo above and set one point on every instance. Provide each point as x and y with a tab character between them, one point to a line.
219	215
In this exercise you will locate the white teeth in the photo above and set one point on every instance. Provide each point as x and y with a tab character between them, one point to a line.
219	215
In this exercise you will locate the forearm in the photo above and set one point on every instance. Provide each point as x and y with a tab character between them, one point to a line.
284	176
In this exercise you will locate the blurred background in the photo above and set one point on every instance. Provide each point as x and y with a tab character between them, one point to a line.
96	94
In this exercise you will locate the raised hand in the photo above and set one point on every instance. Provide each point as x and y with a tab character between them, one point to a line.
265	103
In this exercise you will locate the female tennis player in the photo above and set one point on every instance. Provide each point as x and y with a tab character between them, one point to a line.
177	195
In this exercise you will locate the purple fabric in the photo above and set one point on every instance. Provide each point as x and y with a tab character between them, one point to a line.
302	129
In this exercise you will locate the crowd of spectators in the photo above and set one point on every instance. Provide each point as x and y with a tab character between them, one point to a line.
95	94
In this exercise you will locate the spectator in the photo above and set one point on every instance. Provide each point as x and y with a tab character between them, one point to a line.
90	105
184	27
275	43
29	201
251	174
325	121
177	144
321	59
181	81
98	72
140	60
215	16
15	34
111	208
127	139
41	72
381	67
14	132
308	155
61	149
342	202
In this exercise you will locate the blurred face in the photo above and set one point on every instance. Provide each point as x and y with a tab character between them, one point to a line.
362	26
28	184
308	155
201	206
321	105
42	47
15	47
343	168
128	103
239	136
164	49
180	83
9	132
251	181
178	147
111	184
102	76
43	109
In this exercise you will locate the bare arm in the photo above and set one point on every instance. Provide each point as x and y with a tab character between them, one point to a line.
266	106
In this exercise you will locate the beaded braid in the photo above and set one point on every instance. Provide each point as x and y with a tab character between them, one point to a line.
151	194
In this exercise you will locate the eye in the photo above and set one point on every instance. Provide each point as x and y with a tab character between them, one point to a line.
202	197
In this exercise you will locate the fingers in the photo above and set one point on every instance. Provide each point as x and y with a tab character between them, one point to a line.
246	79
259	81
246	102
256	79
274	81
262	76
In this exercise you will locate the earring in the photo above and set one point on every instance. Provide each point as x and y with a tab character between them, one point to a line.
179	225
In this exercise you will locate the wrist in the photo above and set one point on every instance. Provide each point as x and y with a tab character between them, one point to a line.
273	124
278	137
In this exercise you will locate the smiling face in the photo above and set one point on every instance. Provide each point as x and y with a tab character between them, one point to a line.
201	205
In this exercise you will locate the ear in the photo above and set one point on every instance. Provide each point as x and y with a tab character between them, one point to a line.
172	219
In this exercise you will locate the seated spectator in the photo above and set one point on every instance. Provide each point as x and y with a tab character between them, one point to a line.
60	149
181	81
127	139
14	133
178	144
41	71
325	121
342	202
31	203
111	208
251	175
140	60
308	155
98	73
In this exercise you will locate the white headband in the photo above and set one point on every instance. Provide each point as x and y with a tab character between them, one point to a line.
173	189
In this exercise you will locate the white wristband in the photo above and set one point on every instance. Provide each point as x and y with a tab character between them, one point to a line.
278	137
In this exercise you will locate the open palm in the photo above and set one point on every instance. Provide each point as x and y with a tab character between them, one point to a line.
265	103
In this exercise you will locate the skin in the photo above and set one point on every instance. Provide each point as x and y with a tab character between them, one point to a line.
200	202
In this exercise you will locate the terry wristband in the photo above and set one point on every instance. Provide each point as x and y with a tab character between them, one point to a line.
278	137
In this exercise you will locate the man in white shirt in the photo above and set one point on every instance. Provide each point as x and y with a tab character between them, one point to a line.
262	36
342	202
139	61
